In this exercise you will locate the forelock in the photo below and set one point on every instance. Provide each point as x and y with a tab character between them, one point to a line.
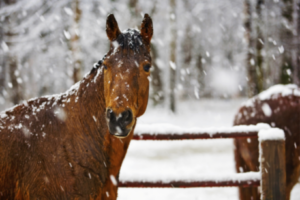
131	39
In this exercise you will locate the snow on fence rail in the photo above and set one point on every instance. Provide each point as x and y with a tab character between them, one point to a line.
172	132
272	156
242	179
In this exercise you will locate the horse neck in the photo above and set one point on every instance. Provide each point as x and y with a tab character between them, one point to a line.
92	107
91	102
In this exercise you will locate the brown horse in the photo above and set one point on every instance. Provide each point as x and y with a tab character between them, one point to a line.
71	146
278	106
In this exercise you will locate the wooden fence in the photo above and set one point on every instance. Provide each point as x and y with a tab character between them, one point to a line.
271	178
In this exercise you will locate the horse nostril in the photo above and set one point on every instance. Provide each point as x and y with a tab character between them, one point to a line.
109	113
127	117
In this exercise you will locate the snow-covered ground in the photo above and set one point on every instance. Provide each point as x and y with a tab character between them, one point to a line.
184	159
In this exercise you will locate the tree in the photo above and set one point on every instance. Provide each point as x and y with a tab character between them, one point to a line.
255	43
200	76
259	47
250	62
157	94
134	11
286	38
75	45
11	57
172	63
296	43
187	56
2	60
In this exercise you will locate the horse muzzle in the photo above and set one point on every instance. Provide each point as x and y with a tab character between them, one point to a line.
119	124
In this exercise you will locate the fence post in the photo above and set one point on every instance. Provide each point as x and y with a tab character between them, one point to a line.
272	164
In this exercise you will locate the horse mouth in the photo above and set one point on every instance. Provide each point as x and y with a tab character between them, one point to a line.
118	132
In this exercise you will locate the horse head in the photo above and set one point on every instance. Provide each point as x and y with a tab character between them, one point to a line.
126	75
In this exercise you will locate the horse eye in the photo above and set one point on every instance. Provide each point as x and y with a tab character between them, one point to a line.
147	67
104	66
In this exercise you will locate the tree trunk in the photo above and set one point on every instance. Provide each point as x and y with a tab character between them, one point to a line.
75	43
200	77
172	63
187	47
2	58
255	46
132	5
259	47
134	11
296	42
16	93
250	62
157	94
286	37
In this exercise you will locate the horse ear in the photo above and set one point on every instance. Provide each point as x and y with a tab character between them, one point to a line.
147	29
112	28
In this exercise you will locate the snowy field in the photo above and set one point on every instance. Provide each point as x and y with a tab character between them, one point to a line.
184	159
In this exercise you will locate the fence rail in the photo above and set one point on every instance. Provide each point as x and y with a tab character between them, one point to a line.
189	184
272	152
194	136
171	132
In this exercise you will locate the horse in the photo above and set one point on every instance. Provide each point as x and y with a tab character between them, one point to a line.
71	145
279	106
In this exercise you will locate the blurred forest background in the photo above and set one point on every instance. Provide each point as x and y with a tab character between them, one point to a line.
201	49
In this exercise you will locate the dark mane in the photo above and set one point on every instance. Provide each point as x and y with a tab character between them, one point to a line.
129	39
97	65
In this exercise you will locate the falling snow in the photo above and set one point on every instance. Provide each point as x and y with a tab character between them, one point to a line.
211	82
